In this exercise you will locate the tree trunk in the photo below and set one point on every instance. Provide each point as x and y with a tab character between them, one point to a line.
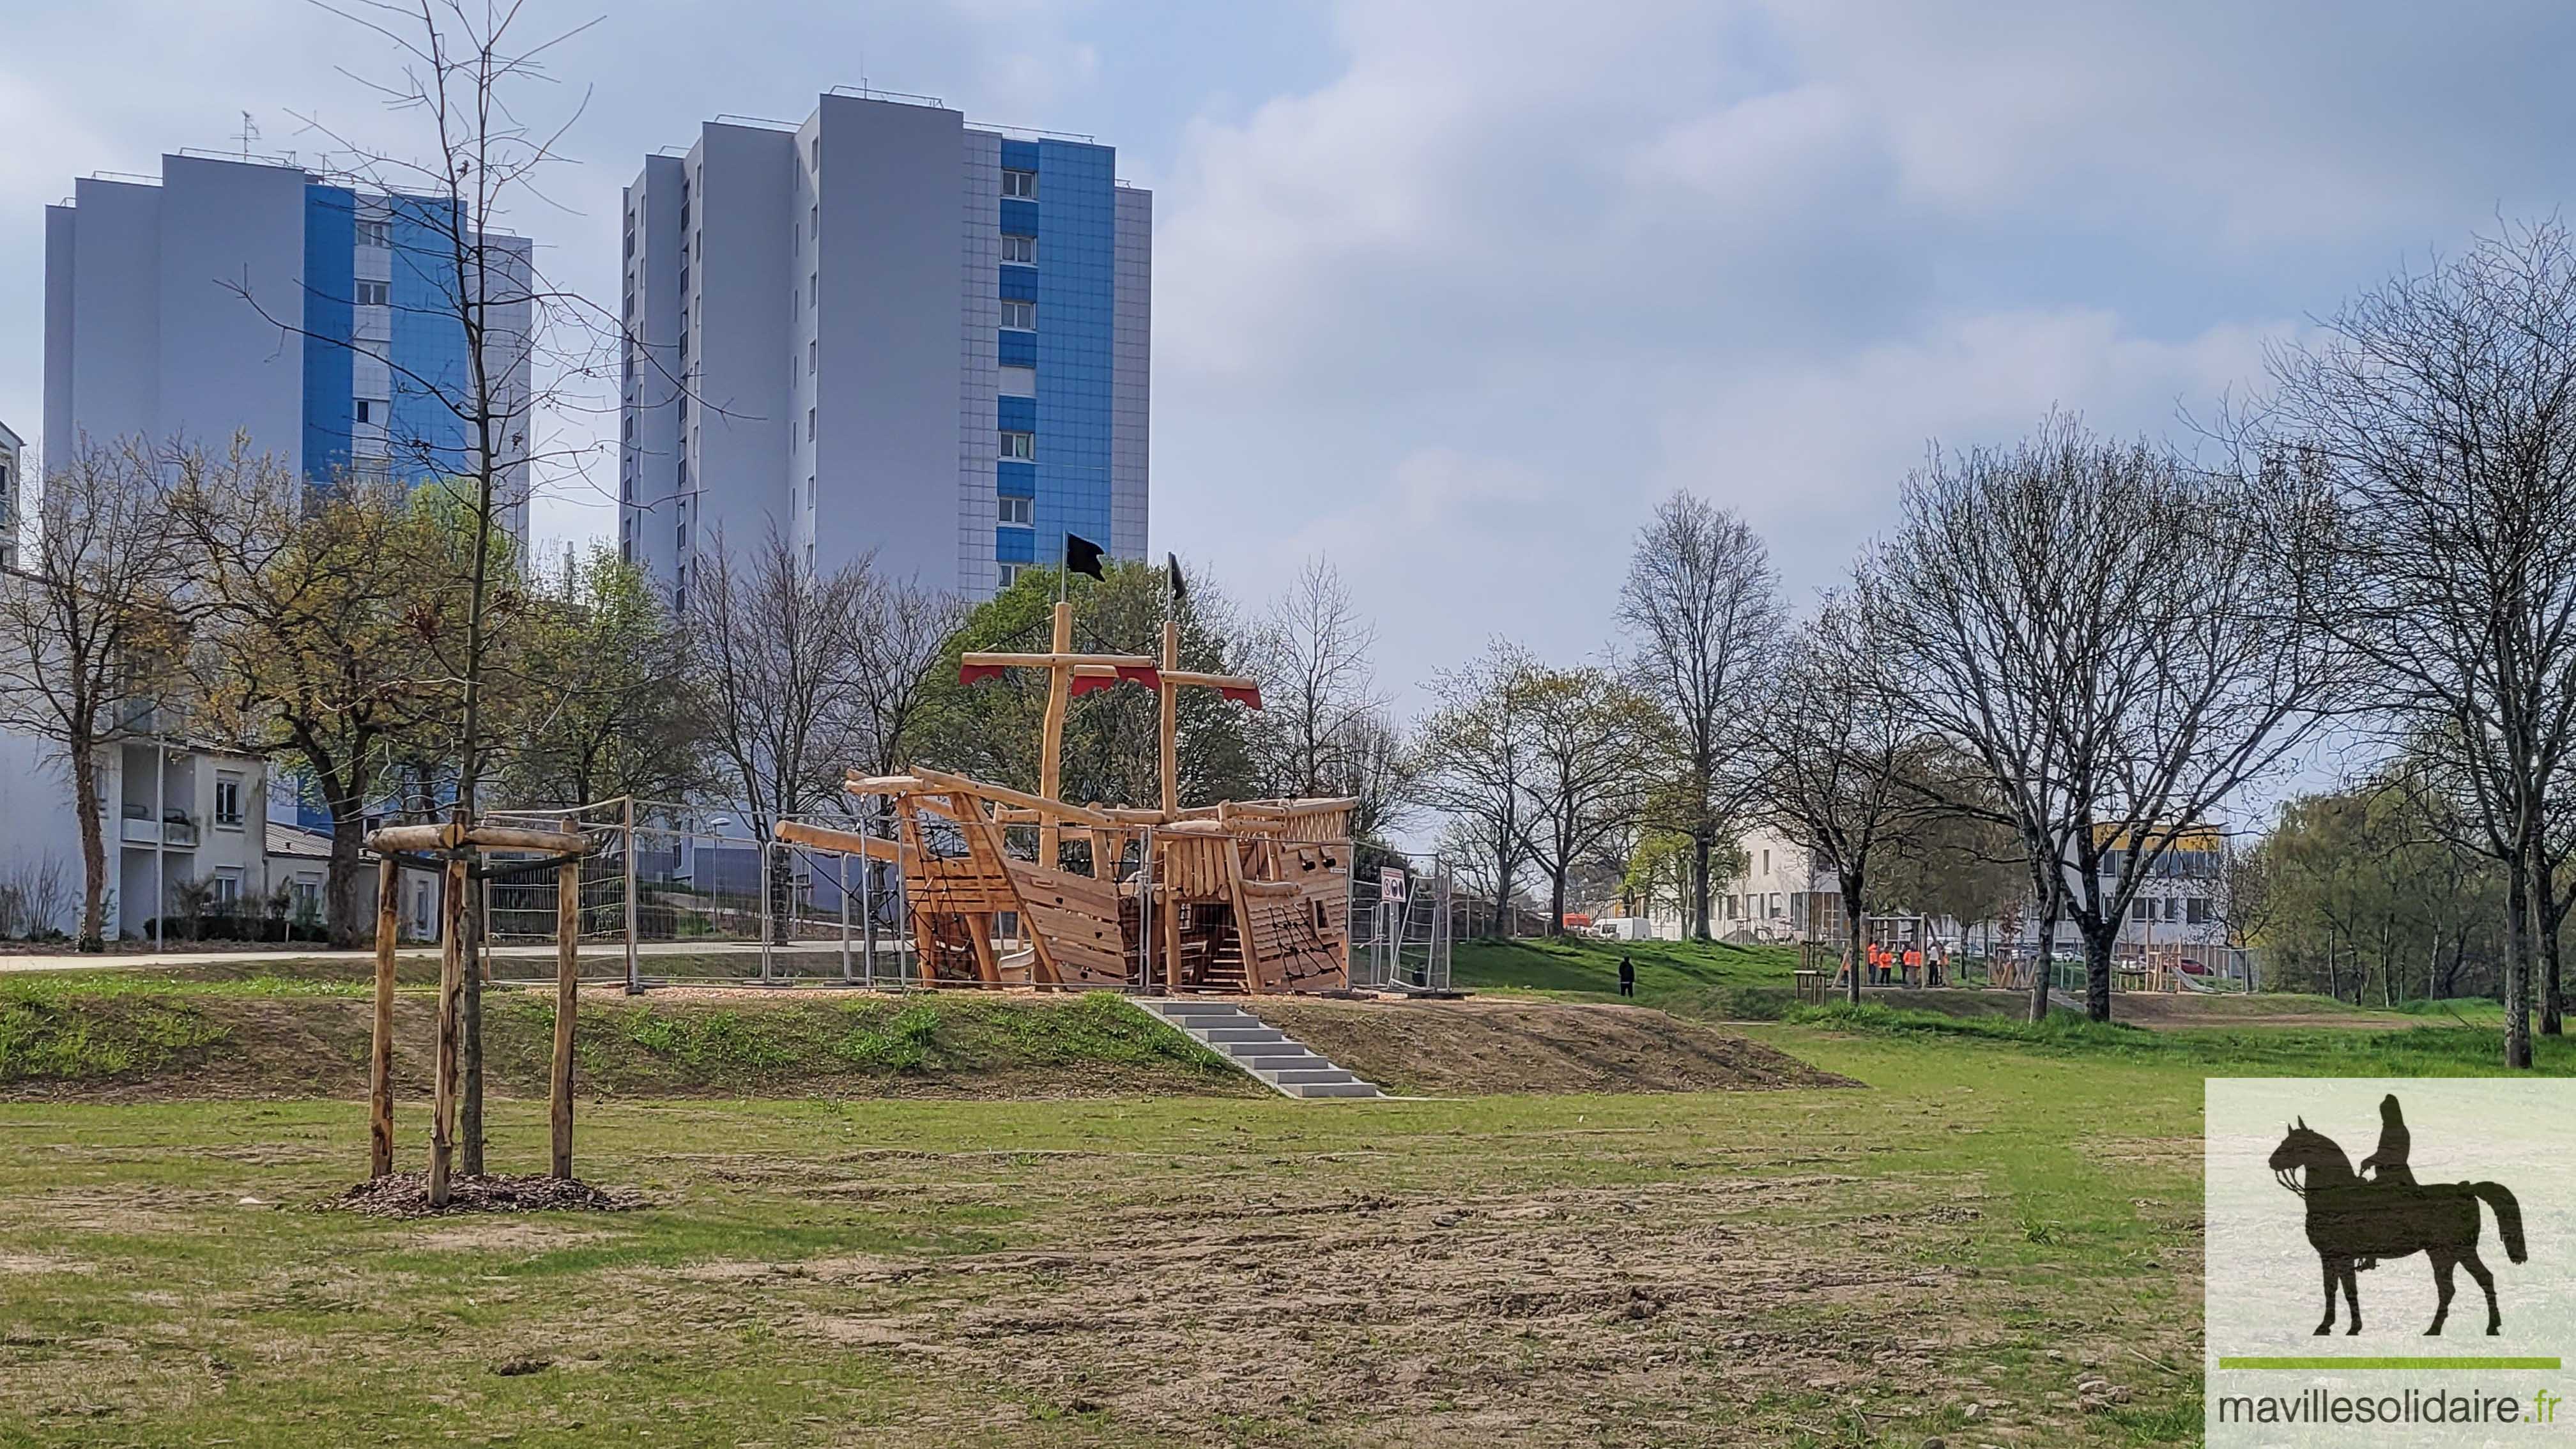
1501	925
2045	962
93	843
1851	884
2098	945
2553	915
1556	898
345	903
1701	847
2517	965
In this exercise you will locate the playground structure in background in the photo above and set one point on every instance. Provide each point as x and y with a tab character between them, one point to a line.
1247	896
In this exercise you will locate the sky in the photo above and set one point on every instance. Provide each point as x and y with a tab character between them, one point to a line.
1450	294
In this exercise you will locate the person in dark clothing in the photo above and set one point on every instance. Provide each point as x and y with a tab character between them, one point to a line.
1627	977
2388	1164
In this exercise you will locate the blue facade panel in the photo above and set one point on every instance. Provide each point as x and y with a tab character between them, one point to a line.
1018	349
1020	156
1016	545
1020	218
1016	414
330	295
1077	279
1015	480
430	373
1018	284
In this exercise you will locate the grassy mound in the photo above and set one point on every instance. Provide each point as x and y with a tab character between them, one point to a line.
2250	1049
1694	978
146	1041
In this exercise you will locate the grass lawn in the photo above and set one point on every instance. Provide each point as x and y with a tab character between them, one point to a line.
1698	978
1996	1241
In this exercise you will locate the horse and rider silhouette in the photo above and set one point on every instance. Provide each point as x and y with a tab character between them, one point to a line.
2357	1218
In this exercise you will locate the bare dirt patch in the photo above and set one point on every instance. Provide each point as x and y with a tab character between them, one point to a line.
406	1195
1491	1045
1662	1312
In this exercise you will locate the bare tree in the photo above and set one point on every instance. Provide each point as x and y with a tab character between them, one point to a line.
776	651
2120	644
1704	604
1477	763
89	637
1832	752
1587	735
2440	408
1311	655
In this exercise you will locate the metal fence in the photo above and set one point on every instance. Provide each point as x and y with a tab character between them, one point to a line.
1401	927
672	896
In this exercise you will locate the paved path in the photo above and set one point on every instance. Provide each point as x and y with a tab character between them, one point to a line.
125	961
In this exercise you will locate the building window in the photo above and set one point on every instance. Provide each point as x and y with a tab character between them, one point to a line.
227	884
809	496
377	233
1023	184
810	354
374	294
814	289
1019	512
1020	249
1023	446
228	799
2196	911
1019	316
809	425
1019	381
368	411
1011	573
818	153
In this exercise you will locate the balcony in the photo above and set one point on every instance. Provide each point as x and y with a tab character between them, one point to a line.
174	830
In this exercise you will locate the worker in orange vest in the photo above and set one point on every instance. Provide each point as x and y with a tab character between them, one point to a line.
1914	965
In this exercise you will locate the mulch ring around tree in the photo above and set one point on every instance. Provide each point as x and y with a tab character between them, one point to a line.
406	1195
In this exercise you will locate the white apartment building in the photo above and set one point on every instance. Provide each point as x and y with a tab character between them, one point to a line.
882	328
240	295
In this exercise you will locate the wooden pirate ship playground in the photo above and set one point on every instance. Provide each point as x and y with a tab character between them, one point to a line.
1247	896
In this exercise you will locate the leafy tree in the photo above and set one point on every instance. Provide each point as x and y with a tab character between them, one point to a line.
603	706
992	729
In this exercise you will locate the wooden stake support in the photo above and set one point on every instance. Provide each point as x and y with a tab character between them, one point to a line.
567	997
380	1056
454	850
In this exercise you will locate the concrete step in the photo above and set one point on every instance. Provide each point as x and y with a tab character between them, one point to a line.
1281	1063
1265	1053
1332	1089
1306	1076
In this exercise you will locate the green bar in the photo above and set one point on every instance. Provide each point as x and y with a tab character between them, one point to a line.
2388	1363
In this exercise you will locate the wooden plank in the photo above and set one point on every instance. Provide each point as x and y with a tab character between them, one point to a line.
412	837
380	1058
847	842
567	1006
858	784
1243	925
967	785
511	837
986	659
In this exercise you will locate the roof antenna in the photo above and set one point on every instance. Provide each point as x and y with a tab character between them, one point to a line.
249	133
